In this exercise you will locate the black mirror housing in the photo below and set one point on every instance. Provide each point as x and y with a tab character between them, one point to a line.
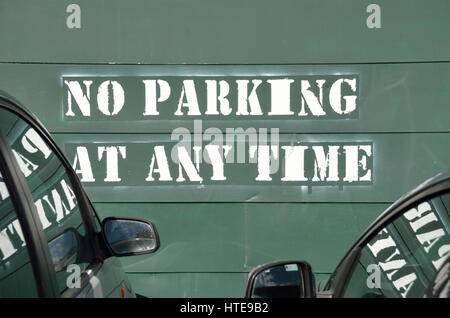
129	236
285	279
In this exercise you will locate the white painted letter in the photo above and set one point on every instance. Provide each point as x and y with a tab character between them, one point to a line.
150	95
191	99
245	99
83	100
280	96
85	169
336	96
112	161
103	97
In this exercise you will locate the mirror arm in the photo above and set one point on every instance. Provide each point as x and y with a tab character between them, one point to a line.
309	281
347	269
103	251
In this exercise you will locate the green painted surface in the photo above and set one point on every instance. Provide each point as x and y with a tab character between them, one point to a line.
236	32
235	237
202	285
424	153
392	97
213	234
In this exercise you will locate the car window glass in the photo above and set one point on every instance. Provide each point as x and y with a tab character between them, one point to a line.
16	272
404	257
55	200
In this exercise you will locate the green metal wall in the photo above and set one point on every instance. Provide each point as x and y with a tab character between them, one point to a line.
212	236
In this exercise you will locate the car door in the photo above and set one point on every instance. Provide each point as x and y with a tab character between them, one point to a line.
401	254
61	215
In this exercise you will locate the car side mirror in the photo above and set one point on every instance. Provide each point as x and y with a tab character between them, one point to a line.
126	236
287	279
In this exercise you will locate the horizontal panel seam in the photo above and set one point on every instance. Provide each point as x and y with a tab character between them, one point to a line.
238	134
206	272
220	64
235	202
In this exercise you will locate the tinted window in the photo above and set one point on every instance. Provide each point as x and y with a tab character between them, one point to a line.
52	191
404	257
16	273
